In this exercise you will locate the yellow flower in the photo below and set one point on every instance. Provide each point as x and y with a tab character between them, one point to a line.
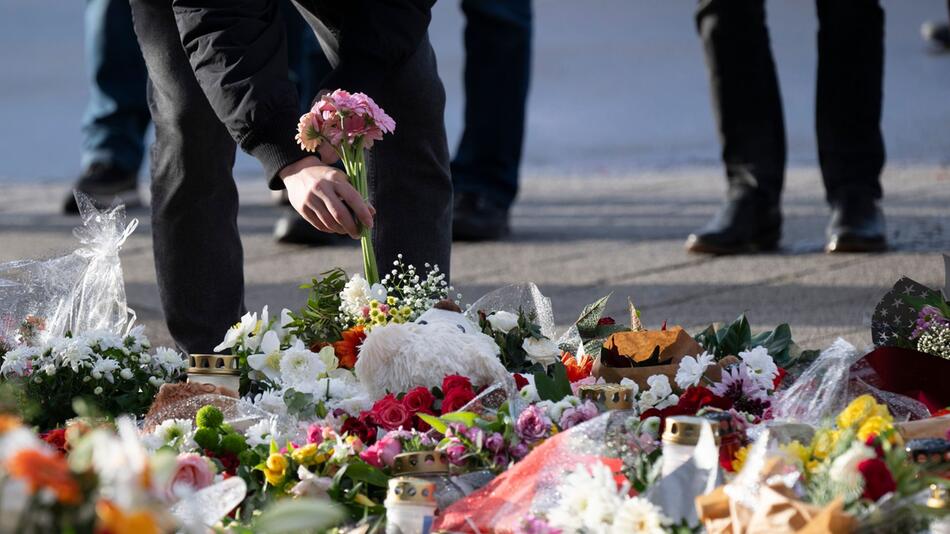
799	452
739	460
275	469
857	412
308	455
874	426
114	520
823	443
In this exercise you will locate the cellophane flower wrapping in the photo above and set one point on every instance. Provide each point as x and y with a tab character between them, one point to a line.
836	378
78	292
531	485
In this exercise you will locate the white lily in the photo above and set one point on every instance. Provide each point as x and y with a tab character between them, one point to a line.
267	361
238	332
328	357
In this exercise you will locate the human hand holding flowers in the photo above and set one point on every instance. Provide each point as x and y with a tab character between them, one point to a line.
324	197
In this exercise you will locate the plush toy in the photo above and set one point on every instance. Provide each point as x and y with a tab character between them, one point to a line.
398	357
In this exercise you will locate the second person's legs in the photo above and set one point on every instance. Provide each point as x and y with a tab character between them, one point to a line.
748	108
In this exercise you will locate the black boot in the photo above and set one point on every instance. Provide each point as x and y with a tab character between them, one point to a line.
105	185
937	34
748	222
478	219
857	225
291	228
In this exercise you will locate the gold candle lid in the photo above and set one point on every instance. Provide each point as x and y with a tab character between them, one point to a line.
938	497
422	462
612	396
213	364
408	490
685	430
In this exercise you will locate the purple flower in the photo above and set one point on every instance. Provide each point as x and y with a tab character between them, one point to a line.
532	425
500	460
455	453
535	525
928	317
743	389
575	416
519	451
495	442
476	436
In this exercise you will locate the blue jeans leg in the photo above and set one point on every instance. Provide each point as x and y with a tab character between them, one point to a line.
497	73
113	128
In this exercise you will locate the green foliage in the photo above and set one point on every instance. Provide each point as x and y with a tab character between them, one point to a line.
593	334
737	336
510	344
297	515
209	417
553	385
318	319
932	298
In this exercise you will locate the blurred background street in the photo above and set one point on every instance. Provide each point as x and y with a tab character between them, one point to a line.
621	162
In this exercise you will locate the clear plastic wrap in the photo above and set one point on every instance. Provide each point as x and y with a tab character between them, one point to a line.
81	291
836	378
238	413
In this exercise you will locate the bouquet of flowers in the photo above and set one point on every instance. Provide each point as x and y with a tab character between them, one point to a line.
349	124
114	374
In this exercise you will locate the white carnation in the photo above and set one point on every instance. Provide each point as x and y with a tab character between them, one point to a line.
691	370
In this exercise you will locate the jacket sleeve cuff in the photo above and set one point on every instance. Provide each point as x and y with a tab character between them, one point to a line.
272	143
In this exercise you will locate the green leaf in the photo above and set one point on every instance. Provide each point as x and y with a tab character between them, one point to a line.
555	386
587	321
296	515
466	418
363	472
437	424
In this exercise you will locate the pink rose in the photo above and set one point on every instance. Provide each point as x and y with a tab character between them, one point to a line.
192	473
383	452
315	434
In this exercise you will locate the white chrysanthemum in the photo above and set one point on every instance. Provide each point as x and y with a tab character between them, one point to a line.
126	374
502	321
76	355
660	386
169	360
691	370
639	516
175	433
844	468
670	400
18	361
529	393
271	401
589	501
355	296
260	433
136	340
631	385
299	367
104	368
238	332
104	339
267	361
761	366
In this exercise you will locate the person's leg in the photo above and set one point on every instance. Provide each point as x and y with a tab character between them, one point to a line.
198	254
748	108
116	117
938	33
497	72
848	103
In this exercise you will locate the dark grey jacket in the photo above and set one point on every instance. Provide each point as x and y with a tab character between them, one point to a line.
237	49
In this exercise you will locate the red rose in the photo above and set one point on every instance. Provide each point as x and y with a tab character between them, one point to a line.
453	382
520	381
606	321
391	414
359	427
696	397
778	378
456	399
418	399
56	438
878	480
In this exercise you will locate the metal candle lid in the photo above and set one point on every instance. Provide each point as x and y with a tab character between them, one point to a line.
685	430
419	463
408	490
213	364
611	396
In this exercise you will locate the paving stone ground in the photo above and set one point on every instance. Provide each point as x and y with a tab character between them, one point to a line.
580	238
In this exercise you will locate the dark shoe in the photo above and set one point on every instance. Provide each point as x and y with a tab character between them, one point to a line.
857	225
291	228
936	34
478	219
105	184
747	223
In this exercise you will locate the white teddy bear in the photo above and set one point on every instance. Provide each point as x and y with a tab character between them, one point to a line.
398	357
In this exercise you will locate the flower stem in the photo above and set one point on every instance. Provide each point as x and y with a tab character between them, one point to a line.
354	161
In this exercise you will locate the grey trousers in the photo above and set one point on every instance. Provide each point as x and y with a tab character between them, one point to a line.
197	245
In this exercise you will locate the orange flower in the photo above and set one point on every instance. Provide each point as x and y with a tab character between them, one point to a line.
347	349
8	423
577	369
113	520
42	470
